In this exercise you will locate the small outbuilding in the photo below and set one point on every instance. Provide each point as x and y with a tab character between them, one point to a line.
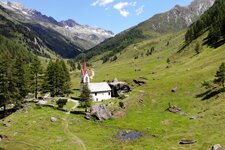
100	91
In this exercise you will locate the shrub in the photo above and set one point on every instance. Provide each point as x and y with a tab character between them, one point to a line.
61	103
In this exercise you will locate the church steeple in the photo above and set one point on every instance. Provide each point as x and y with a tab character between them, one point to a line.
85	79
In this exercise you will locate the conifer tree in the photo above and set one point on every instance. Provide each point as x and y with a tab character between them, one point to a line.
20	78
85	97
57	78
220	75
36	70
8	89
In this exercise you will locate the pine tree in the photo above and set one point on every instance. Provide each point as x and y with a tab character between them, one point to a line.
66	78
57	78
85	96
36	70
220	75
20	78
8	90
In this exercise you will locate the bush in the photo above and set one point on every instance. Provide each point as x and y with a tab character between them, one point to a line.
121	104
61	103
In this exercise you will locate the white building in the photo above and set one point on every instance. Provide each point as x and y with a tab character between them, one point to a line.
99	91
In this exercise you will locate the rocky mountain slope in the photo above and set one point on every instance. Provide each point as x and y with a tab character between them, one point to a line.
66	38
69	28
178	17
174	20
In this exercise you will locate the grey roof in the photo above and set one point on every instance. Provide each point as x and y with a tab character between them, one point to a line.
99	87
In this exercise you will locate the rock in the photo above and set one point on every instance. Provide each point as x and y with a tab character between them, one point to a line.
195	117
174	89
41	102
141	91
187	142
10	120
137	70
35	100
100	112
6	125
53	119
174	109
3	137
87	116
46	95
217	147
139	82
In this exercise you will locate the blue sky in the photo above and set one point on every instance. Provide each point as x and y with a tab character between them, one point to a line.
113	15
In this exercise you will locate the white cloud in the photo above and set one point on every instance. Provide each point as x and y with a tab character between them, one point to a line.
102	2
133	4
124	13
140	10
120	7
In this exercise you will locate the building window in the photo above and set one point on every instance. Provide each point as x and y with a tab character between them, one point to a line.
96	94
109	93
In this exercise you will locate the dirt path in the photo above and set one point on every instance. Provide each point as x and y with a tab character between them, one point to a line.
92	74
73	137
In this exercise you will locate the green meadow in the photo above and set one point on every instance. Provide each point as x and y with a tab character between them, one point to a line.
186	70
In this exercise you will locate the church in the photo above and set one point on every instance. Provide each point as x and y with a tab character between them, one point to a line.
99	91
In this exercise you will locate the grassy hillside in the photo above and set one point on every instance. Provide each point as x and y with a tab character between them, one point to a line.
36	38
161	129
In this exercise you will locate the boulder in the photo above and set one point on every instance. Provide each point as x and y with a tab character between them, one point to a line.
100	112
217	147
41	102
53	119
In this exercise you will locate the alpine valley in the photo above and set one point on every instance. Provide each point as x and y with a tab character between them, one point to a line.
65	38
159	85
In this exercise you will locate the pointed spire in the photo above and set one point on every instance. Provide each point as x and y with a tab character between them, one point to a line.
84	68
84	72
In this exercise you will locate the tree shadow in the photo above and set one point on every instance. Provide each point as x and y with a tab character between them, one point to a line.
210	93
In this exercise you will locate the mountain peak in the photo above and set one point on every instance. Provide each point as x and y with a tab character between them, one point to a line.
68	22
179	17
15	5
